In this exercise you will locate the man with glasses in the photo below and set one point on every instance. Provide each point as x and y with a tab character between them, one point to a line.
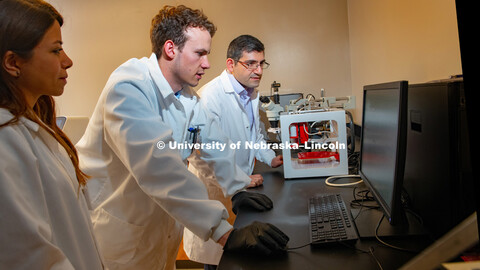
232	98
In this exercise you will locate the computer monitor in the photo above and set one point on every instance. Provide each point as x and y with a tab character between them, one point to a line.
73	126
61	121
383	145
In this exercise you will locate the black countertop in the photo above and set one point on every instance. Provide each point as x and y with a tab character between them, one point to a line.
291	216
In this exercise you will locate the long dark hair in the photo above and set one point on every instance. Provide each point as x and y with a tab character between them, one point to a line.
23	23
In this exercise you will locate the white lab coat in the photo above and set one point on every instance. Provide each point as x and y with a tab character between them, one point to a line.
44	222
142	195
221	100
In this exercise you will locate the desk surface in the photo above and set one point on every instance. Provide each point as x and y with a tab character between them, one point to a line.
291	216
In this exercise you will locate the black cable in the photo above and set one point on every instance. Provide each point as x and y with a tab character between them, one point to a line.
370	252
364	197
353	162
375	258
351	133
387	244
302	246
360	202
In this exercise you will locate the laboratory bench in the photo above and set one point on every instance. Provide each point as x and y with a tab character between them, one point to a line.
290	214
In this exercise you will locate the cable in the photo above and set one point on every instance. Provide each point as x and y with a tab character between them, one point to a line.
353	163
370	251
305	245
328	181
310	97
387	244
375	258
364	197
318	132
352	133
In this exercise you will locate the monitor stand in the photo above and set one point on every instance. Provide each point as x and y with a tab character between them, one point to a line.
367	220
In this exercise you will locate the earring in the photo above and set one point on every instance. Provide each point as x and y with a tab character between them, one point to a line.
18	73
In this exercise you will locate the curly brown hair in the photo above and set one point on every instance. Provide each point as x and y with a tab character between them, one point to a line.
171	23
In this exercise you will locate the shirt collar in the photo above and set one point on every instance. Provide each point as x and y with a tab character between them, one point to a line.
239	88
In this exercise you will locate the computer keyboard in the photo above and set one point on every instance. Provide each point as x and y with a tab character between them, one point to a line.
330	221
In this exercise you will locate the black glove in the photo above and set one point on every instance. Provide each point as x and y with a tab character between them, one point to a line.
258	238
257	201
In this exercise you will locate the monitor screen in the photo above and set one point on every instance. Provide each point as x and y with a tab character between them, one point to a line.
61	121
383	144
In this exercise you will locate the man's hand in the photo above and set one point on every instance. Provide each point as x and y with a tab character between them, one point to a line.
257	201
256	180
277	161
257	238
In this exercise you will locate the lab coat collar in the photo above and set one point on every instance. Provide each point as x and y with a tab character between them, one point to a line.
162	84
6	116
30	124
228	84
157	76
228	88
49	140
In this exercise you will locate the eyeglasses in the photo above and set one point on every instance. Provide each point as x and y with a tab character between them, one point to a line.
254	65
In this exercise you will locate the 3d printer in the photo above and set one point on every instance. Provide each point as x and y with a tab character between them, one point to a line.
316	131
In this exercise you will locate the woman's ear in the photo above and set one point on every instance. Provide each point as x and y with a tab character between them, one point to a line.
10	63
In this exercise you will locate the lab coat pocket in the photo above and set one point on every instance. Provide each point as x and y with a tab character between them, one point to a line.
118	240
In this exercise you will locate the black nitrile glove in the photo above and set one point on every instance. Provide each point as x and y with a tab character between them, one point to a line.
257	238
257	201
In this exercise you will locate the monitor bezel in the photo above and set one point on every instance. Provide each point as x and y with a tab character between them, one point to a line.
395	214
60	121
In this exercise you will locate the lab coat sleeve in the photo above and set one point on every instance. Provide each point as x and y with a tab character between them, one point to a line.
133	129
265	155
25	235
229	176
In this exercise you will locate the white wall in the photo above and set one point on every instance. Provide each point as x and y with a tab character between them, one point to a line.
414	40
306	42
338	45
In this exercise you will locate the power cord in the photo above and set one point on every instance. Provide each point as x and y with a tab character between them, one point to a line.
370	252
302	246
390	245
353	162
360	203
364	197
329	181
